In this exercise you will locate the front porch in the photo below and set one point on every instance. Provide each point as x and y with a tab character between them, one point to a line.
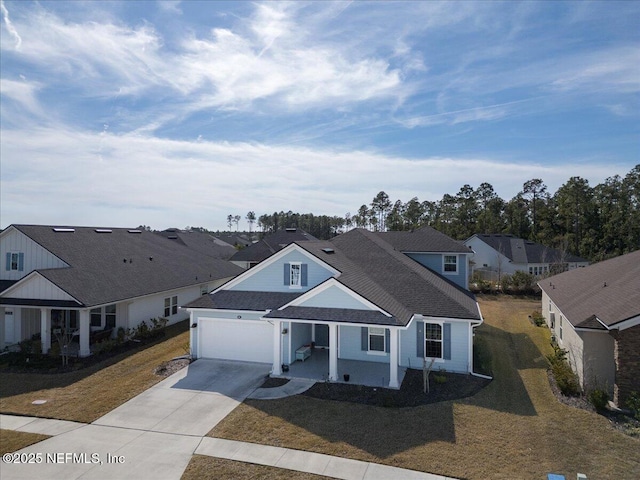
316	367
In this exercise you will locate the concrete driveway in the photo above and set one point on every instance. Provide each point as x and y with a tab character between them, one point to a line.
154	434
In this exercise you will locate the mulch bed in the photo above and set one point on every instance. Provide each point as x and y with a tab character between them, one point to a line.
410	394
166	369
618	420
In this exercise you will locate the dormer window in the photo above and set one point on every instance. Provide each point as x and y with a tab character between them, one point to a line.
295	274
15	262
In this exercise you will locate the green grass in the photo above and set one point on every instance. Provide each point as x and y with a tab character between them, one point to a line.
514	428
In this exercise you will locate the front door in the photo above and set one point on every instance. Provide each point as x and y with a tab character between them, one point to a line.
322	335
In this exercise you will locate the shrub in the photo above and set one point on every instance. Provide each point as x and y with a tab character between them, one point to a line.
440	379
598	398
522	281
538	319
566	379
633	403
505	282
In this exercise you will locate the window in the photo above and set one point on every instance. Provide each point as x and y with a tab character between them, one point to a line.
433	340
110	316
376	339
170	306
561	327
295	275
451	264
96	317
15	261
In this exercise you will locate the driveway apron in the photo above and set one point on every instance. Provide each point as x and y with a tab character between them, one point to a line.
152	435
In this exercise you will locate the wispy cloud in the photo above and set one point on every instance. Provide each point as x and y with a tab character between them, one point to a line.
10	28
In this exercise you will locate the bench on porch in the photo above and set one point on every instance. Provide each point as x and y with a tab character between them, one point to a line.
303	352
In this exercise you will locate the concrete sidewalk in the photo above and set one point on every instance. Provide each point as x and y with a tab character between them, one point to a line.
165	456
294	386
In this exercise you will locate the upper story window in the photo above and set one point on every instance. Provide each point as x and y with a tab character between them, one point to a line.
295	274
15	261
450	264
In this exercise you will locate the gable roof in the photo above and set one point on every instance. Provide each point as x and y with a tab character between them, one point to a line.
424	239
271	243
599	296
522	251
372	268
121	263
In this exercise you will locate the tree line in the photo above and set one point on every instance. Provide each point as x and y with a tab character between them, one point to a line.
593	222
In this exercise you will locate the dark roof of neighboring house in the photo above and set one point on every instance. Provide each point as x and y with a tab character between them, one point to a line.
607	291
270	244
4	284
244	300
122	263
424	239
519	250
204	243
333	314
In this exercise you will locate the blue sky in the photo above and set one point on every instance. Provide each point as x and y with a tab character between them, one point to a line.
180	113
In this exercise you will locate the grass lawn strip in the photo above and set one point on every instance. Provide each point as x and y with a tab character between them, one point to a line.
202	467
513	428
12	441
87	394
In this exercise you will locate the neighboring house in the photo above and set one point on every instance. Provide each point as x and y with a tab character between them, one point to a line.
434	250
201	242
89	279
497	254
253	254
594	313
354	298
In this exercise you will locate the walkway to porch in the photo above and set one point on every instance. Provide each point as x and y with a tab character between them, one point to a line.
316	367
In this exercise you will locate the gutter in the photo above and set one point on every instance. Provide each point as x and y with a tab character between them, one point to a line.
471	335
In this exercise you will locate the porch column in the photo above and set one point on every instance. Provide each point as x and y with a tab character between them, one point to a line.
2	321
393	358
333	352
45	329
85	351
277	356
193	336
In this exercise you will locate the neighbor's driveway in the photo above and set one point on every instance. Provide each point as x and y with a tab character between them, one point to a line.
154	434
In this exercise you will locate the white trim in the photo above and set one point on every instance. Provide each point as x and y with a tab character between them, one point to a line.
332	282
624	324
270	261
295	286
384	342
441	358
457	270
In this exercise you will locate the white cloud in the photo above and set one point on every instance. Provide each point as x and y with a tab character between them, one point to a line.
9	26
107	179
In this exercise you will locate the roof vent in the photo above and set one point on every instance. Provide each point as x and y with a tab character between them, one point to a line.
328	250
64	229
103	230
134	231
290	229
172	237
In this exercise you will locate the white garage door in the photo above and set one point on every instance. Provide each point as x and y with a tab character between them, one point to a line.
246	340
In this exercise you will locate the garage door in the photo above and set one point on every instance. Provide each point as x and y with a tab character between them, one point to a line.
246	340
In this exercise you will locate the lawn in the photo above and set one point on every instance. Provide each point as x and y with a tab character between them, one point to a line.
209	468
89	393
513	428
12	441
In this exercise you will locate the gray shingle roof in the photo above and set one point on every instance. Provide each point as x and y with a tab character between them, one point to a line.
110	267
270	244
402	287
244	300
201	242
424	239
608	290
523	251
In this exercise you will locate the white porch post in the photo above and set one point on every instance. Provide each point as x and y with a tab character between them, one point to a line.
193	336
393	358
277	356
85	351
333	352
45	329
2	321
